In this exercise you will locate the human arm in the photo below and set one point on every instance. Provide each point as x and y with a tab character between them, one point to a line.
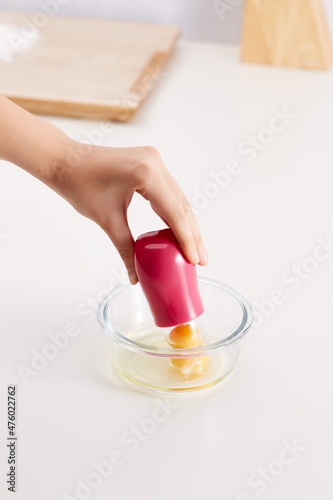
99	182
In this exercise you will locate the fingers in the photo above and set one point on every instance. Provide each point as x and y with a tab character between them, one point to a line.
203	254
121	236
179	218
198	238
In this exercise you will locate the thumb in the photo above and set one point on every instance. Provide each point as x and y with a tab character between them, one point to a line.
122	238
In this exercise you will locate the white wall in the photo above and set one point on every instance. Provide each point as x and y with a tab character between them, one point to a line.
198	18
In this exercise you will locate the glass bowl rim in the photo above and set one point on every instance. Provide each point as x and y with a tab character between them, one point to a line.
239	334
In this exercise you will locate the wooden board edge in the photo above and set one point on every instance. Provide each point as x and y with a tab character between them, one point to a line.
150	76
74	109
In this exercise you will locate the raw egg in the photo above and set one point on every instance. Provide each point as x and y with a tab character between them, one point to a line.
186	336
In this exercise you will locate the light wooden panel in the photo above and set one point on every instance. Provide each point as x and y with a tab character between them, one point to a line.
85	68
286	33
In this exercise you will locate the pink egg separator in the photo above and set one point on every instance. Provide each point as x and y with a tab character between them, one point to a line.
168	280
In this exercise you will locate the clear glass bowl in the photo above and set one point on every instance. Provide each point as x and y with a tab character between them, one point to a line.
142	355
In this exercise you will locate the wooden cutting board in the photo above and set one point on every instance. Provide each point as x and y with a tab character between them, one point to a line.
81	67
292	33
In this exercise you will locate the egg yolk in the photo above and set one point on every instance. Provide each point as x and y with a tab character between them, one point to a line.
183	336
186	336
191	367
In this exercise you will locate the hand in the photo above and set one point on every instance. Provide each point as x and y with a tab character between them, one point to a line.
100	185
100	182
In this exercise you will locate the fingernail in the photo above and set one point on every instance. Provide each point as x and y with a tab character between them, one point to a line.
133	278
204	256
195	257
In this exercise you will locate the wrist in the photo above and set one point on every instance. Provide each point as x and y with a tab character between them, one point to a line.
67	160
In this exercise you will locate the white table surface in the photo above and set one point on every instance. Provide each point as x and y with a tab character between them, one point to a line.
54	264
